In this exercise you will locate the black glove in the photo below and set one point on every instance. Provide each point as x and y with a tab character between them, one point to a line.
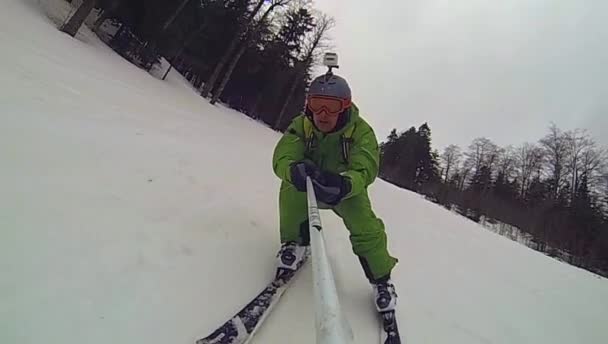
331	188
300	170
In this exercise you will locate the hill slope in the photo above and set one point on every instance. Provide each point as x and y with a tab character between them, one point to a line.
134	212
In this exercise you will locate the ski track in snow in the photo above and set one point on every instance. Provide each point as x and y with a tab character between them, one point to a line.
132	211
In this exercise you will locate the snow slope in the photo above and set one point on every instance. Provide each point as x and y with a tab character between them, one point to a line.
131	211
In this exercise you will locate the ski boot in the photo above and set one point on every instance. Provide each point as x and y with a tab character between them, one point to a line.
385	296
290	257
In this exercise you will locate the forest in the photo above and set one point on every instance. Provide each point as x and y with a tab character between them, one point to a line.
554	190
254	56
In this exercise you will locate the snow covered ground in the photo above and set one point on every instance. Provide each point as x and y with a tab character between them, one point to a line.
132	211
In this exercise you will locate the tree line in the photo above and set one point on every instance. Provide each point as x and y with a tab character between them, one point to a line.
555	189
256	56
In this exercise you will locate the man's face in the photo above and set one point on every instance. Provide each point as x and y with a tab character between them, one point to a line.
326	110
325	121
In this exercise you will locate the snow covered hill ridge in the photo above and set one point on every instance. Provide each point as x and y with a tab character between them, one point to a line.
132	211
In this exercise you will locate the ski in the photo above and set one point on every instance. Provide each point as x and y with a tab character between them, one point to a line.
242	326
389	332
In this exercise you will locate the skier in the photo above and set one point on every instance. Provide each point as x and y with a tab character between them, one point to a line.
336	147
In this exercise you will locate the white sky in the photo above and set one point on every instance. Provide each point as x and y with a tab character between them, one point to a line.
500	69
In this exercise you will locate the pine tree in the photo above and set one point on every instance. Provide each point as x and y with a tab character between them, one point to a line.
389	153
455	180
482	180
426	160
500	185
406	161
538	192
582	198
504	189
278	61
585	216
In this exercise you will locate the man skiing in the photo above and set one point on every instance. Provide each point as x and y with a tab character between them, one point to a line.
338	149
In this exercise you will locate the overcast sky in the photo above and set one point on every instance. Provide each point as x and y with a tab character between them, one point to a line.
470	68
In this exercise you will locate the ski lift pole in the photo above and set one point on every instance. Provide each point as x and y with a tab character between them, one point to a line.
330	324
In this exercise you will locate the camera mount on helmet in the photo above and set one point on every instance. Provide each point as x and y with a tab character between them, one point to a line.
331	61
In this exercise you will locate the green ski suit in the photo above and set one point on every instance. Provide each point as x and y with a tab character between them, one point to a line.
353	152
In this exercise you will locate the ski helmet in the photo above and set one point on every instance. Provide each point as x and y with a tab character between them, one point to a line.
330	85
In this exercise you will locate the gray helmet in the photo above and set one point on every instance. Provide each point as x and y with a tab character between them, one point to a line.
330	85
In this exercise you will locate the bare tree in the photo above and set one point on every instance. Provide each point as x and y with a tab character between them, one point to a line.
81	14
107	13
250	37
579	143
529	160
507	161
555	146
450	157
173	16
481	152
189	39
467	170
604	190
594	164
244	26
313	44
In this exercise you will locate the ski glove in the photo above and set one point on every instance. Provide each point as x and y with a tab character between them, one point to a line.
300	170
331	188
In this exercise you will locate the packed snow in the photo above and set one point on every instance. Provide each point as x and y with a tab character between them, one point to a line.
132	211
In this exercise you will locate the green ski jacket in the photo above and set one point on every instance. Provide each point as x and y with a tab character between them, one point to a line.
351	151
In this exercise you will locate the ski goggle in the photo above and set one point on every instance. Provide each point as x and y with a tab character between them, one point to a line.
331	105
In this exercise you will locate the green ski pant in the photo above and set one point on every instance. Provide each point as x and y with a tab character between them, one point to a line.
367	233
